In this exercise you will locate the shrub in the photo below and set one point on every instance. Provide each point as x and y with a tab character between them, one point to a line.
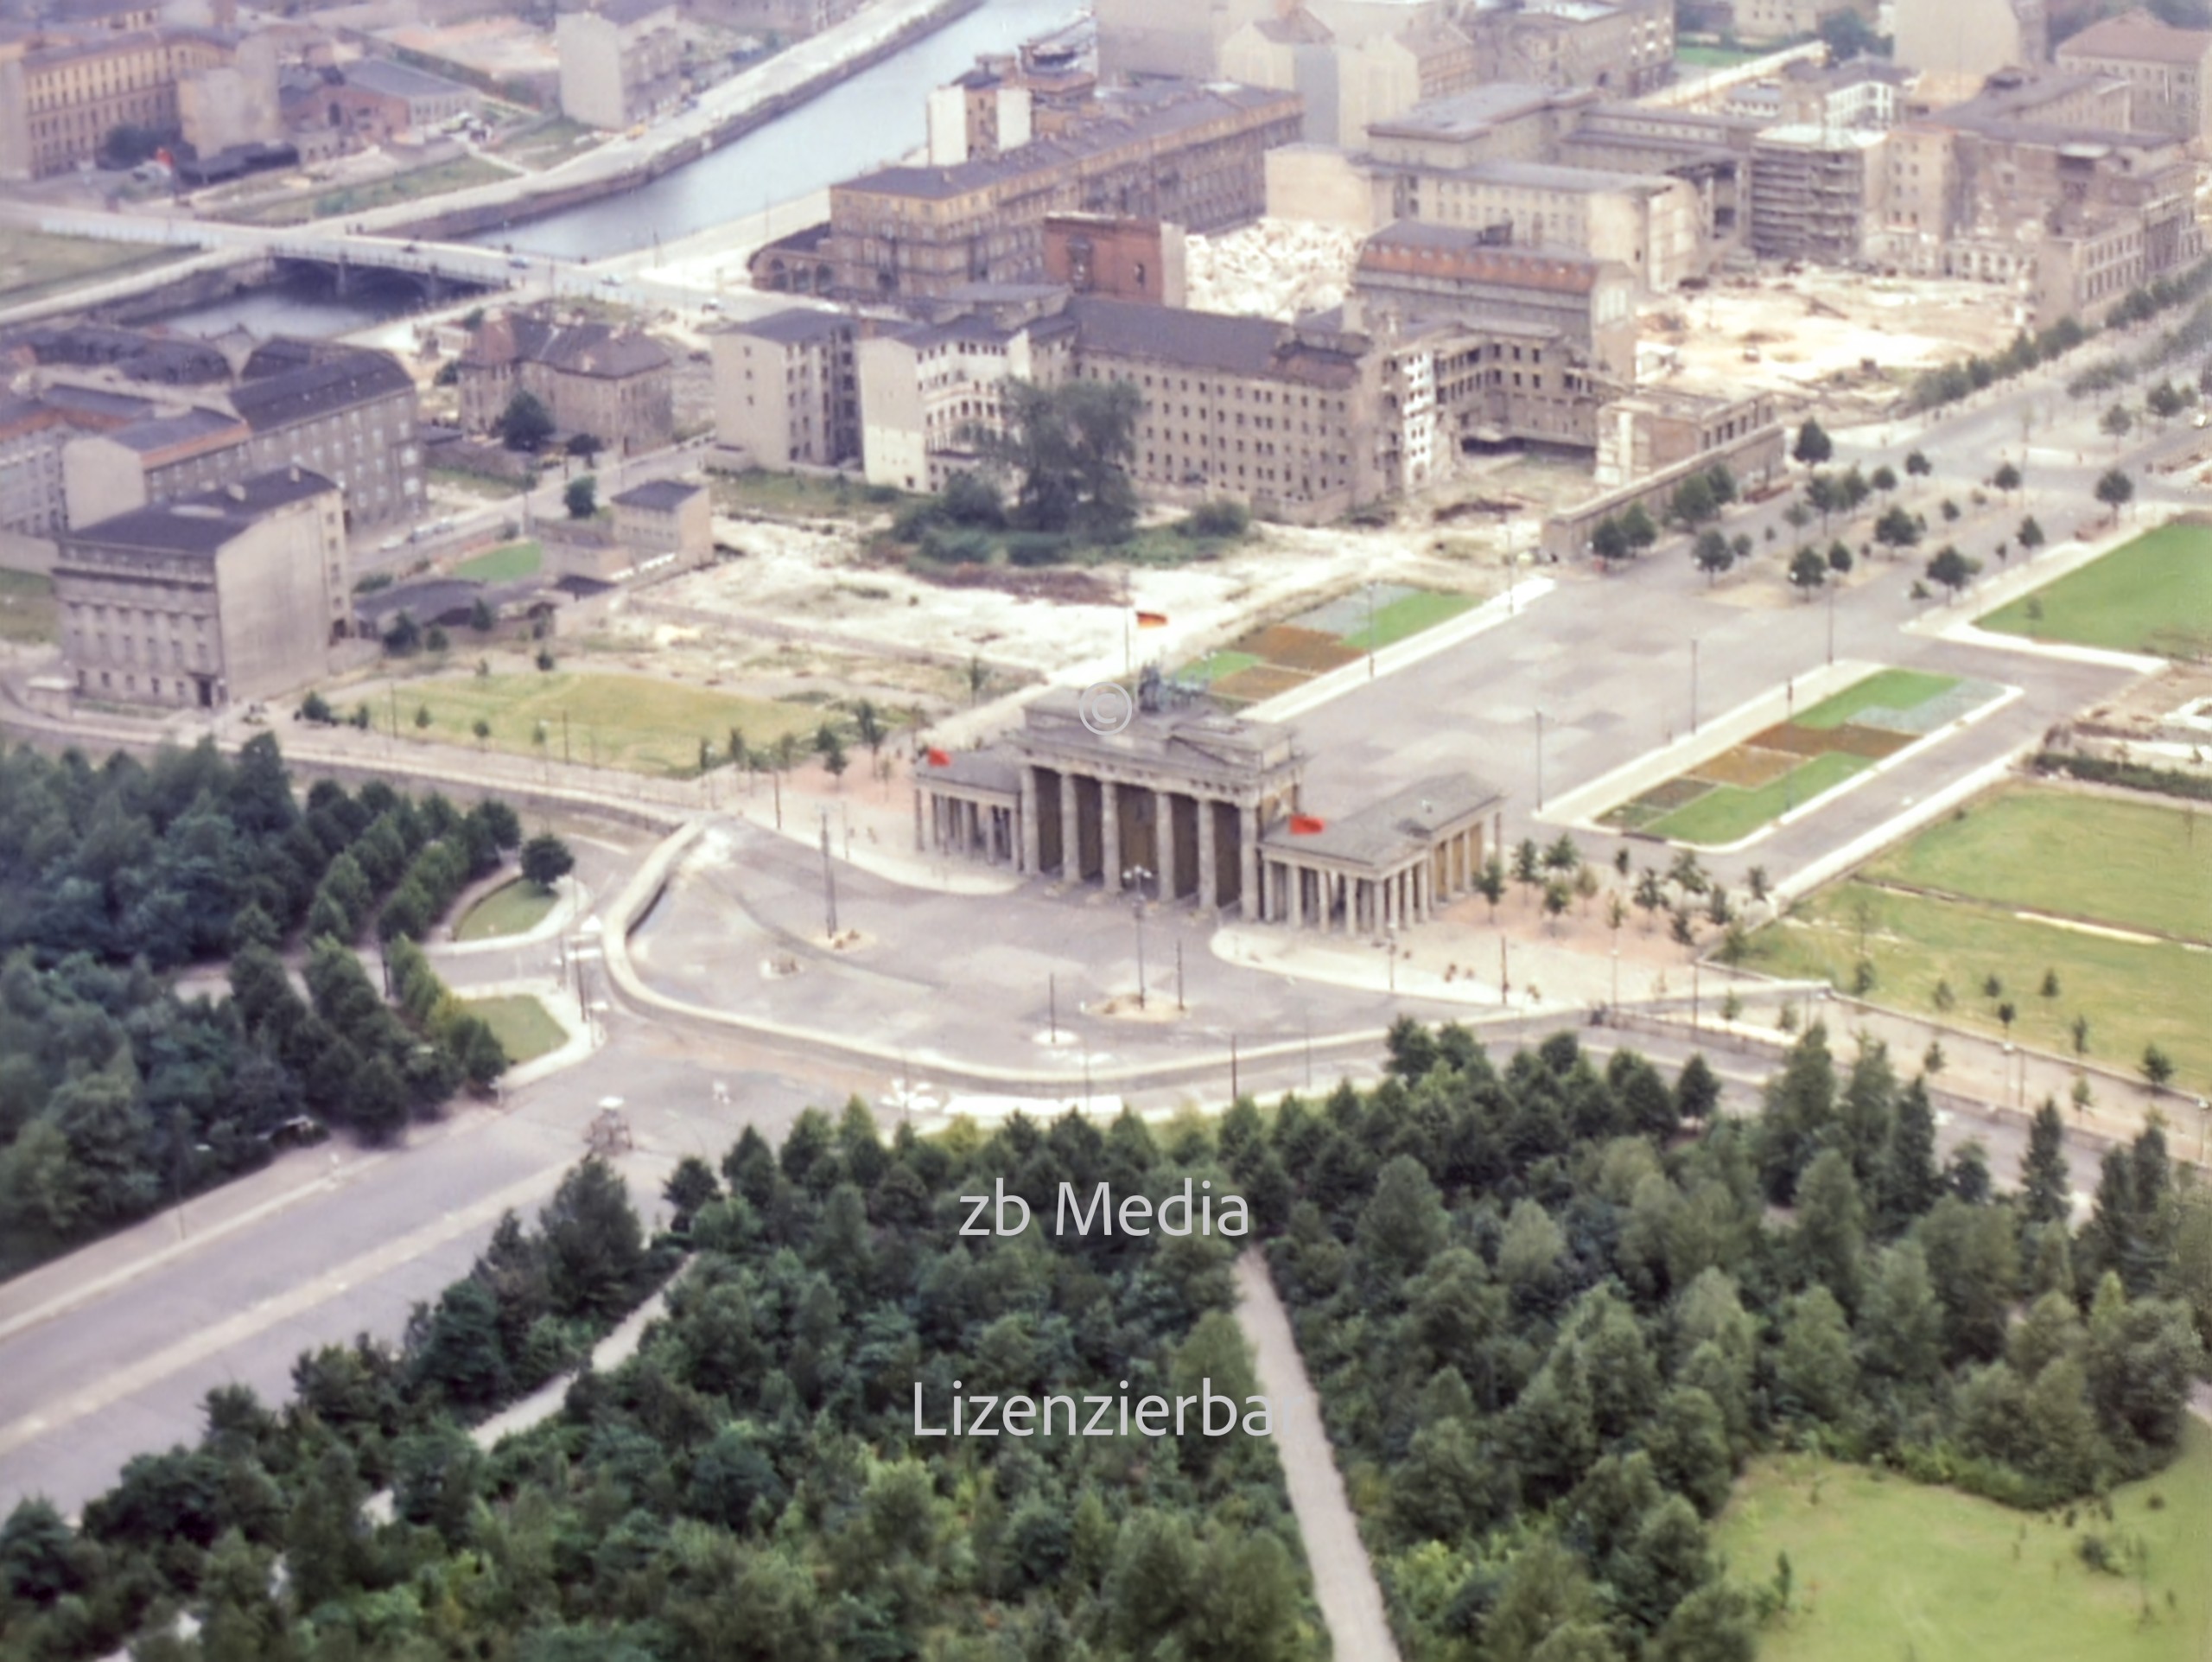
1220	519
1035	548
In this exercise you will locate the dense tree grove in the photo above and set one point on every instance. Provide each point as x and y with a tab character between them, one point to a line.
1547	1332
116	1093
1551	1307
749	1485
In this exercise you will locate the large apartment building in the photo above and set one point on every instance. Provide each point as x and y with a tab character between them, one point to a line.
787	389
617	384
228	595
66	87
2167	71
1188	155
621	61
2038	181
349	413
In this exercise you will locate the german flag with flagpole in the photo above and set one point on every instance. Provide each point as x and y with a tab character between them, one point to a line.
1152	619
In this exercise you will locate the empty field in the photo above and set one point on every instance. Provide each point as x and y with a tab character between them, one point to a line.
512	909
524	1028
507	564
630	721
1885	1570
27	613
2152	595
2132	864
34	264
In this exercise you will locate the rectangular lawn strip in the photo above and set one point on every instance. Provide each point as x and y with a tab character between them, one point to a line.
1408	616
2134	992
2089	856
1885	689
524	1029
1259	682
1214	665
507	565
635	723
1746	765
1726	813
2153	594
1884	1567
512	909
34	264
26	610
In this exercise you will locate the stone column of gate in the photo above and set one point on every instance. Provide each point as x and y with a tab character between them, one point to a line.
1163	842
1248	893
1031	843
921	844
1209	857
1071	832
1109	835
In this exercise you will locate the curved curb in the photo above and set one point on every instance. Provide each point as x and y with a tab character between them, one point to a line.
651	880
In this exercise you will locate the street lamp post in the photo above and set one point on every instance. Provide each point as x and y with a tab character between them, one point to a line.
1692	685
1540	761
1136	876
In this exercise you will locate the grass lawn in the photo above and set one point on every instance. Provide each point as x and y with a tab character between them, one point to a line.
482	485
26	610
1214	665
458	174
512	909
1884	1569
2134	991
503	564
806	496
1887	689
1409	616
1727	812
521	1024
2152	595
615	721
2090	857
556	141
34	264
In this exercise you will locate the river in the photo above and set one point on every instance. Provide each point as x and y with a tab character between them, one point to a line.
874	117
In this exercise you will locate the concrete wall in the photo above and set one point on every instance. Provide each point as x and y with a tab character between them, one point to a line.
274	587
100	479
894	446
591	70
1316	182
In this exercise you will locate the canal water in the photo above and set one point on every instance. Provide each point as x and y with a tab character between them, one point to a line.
874	117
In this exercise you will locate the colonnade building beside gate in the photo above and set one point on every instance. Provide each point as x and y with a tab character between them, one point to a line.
1189	804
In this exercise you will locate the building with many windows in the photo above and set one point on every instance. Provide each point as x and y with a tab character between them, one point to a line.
617	384
224	596
621	61
2167	71
1193	155
65	86
787	390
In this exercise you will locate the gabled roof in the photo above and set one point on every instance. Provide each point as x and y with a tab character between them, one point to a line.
596	349
400	81
2138	37
296	395
1215	340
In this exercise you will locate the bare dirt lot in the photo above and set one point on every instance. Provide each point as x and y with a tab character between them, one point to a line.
1813	332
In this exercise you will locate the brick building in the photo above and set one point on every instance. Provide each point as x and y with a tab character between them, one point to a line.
376	100
228	595
1442	272
619	385
1123	259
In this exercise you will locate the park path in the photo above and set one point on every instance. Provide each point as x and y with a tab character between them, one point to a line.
1344	1580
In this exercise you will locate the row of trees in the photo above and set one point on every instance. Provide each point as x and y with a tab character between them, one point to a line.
1549	1332
114	1092
749	1485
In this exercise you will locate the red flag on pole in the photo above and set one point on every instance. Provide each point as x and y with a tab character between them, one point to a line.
1152	619
938	758
1305	825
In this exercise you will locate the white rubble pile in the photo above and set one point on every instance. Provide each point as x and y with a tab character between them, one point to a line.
1275	268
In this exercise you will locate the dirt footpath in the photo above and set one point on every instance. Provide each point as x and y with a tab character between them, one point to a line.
1343	1581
